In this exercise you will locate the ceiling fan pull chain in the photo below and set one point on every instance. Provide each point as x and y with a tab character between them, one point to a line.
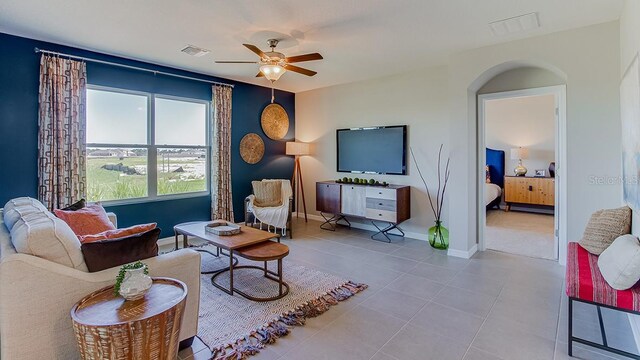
272	95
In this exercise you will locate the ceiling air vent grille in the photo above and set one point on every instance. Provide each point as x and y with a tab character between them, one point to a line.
195	51
516	24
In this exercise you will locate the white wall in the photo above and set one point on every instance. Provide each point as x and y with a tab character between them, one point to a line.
629	48
439	105
418	100
629	33
588	58
527	122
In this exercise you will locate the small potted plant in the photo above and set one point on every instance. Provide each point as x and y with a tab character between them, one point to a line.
438	234
133	281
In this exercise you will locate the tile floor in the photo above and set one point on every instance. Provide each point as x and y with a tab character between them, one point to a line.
422	304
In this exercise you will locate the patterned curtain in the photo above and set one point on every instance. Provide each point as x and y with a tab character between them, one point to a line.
221	199
61	133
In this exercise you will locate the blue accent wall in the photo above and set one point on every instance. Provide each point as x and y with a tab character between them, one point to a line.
19	82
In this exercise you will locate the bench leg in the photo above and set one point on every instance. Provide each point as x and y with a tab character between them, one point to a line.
570	329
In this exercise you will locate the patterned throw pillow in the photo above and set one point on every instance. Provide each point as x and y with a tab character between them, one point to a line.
604	227
487	174
89	220
117	233
267	193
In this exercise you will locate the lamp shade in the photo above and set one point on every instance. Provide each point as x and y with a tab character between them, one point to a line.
519	153
298	148
272	71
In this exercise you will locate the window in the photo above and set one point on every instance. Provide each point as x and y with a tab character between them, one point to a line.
145	146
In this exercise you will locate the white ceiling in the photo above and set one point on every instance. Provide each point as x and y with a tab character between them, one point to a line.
359	39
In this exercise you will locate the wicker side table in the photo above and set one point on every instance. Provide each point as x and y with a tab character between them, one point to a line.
108	327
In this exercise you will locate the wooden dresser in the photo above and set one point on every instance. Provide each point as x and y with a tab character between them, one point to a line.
529	190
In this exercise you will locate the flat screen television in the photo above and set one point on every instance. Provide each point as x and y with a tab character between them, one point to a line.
373	150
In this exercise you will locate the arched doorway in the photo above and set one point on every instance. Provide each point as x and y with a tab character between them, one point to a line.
521	80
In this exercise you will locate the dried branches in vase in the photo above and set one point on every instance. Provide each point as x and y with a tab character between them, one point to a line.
438	234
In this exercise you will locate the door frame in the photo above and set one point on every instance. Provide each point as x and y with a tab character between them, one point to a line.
560	208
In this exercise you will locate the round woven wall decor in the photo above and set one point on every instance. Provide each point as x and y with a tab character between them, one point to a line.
275	121
252	148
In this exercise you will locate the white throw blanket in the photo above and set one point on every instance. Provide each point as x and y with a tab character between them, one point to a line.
275	216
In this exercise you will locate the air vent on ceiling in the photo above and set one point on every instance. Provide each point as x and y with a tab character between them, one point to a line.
194	51
516	24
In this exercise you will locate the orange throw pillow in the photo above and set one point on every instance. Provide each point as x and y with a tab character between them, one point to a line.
117	233
92	219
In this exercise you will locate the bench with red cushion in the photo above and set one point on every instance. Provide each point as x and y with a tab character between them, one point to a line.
584	282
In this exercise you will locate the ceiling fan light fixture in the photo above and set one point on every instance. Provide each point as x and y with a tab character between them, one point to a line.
272	71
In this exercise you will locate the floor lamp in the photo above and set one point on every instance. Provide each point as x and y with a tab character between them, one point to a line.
298	149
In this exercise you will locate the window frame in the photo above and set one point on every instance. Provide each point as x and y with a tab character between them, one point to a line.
152	148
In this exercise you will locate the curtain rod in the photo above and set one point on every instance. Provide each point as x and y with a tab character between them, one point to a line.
128	67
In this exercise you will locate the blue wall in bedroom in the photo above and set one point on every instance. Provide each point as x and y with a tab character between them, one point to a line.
19	81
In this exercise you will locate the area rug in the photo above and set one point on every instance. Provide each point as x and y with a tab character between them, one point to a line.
234	327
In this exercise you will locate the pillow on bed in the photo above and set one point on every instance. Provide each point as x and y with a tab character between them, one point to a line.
487	175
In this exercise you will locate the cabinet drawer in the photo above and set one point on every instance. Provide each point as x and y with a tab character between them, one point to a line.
381	204
380	193
382	215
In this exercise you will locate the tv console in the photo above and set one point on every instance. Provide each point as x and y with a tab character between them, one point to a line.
389	204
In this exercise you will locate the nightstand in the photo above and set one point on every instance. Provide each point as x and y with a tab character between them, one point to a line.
529	190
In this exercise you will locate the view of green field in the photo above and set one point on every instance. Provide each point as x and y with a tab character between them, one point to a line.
175	175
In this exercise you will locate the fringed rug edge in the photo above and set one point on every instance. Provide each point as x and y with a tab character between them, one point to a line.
252	343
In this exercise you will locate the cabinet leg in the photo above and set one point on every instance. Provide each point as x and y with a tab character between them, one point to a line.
507	207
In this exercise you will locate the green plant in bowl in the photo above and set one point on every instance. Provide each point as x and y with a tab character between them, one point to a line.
122	272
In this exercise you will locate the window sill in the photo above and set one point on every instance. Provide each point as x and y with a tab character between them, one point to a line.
154	199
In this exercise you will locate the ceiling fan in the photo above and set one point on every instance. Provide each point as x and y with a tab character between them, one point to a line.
273	64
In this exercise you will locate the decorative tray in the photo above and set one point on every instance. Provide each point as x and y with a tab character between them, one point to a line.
222	228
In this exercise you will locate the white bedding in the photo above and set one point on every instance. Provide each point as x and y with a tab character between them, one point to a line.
491	192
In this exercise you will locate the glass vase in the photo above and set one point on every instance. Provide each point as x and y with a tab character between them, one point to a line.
439	236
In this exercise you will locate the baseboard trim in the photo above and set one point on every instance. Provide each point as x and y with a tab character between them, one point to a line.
362	226
463	254
166	241
370	227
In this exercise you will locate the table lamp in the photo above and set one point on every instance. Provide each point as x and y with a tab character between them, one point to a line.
519	153
298	149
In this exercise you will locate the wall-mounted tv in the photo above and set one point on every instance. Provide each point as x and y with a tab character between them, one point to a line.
373	150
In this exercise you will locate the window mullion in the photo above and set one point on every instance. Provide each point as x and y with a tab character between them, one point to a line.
152	167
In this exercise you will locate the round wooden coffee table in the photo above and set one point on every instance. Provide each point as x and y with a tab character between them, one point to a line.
108	327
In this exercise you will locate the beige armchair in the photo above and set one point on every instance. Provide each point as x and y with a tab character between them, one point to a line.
37	294
276	216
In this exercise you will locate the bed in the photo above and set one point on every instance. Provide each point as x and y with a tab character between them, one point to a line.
493	189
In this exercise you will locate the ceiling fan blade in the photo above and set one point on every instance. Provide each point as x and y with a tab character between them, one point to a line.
260	74
255	50
305	57
299	70
236	62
